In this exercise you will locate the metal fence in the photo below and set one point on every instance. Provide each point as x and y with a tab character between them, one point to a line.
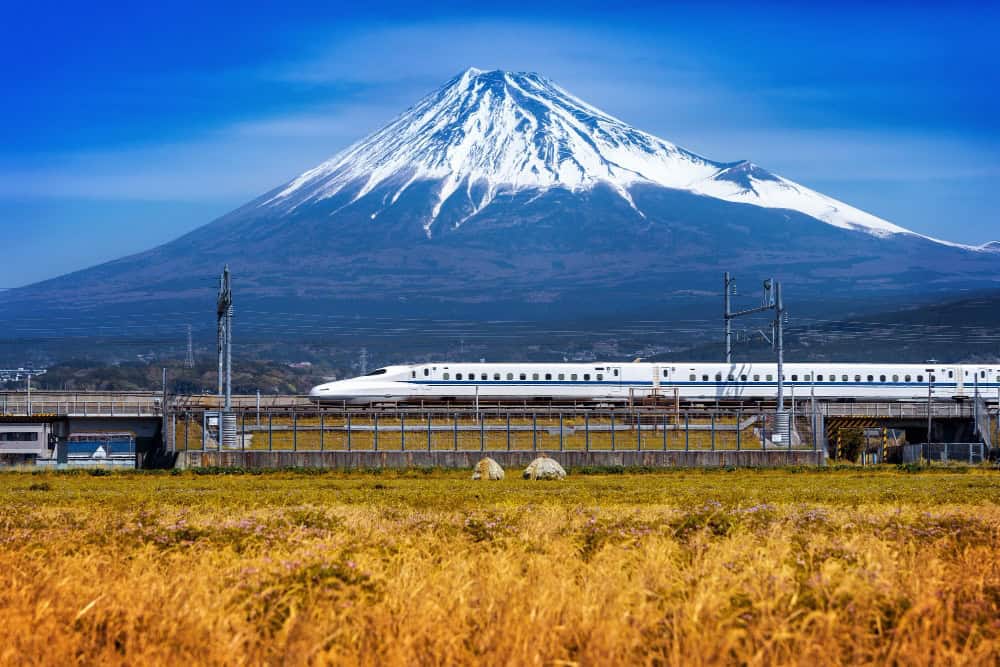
961	452
489	430
79	405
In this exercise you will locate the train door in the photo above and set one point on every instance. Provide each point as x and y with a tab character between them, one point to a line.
614	375
959	380
656	379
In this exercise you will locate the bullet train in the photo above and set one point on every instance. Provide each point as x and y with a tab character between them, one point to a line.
619	382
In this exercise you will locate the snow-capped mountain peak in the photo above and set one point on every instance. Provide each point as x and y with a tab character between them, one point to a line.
490	132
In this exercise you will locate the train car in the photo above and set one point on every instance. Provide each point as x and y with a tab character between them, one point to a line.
619	382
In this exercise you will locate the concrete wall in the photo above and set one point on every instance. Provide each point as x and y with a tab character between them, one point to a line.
509	460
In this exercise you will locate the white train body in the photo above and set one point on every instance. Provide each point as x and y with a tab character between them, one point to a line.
615	381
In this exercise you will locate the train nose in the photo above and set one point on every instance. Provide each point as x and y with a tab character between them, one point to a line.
328	390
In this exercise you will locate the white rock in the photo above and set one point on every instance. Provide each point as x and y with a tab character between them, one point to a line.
544	468
487	468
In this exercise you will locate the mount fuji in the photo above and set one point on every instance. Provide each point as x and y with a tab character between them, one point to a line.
503	195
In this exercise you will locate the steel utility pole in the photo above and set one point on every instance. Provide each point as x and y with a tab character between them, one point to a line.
729	287
771	300
930	393
224	316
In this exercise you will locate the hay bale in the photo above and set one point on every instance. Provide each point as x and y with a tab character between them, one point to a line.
544	467
487	468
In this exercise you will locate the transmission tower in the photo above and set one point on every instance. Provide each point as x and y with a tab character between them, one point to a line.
189	359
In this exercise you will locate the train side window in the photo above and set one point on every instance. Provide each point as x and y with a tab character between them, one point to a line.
413	374
808	377
615	372
572	377
524	376
895	378
743	378
770	378
548	376
982	374
534	376
730	377
795	377
600	377
871	378
907	378
718	377
426	372
756	377
447	376
484	376
510	376
920	378
666	373
562	376
819	378
586	377
843	378
881	378
693	377
704	378
951	374
496	376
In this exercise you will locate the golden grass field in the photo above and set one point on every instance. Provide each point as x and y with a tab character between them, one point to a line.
673	568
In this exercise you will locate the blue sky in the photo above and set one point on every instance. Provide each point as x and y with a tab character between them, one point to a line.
123	127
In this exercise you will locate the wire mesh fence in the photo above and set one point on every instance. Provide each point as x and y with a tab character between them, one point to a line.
491	430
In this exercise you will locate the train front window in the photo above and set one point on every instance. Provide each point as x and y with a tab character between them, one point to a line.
380	371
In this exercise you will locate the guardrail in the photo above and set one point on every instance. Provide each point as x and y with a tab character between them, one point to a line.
898	410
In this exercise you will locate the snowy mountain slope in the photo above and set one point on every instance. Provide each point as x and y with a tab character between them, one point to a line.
489	133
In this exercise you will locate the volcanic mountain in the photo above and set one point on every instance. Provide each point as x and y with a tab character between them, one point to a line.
502	193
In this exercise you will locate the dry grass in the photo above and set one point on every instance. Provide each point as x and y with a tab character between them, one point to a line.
770	567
